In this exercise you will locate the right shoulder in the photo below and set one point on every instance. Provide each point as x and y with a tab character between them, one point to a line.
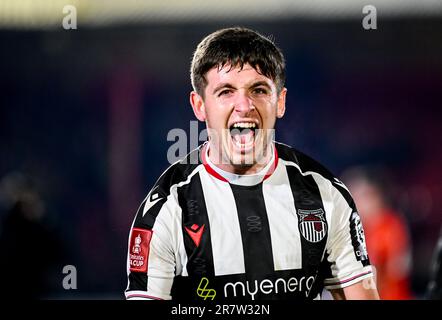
162	193
179	172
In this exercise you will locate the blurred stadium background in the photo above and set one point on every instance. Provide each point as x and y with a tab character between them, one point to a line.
84	116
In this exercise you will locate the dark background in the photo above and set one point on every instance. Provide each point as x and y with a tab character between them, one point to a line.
84	116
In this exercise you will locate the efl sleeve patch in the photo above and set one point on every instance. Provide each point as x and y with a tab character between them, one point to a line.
139	249
358	238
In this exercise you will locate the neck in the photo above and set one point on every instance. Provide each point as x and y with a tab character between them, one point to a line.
241	169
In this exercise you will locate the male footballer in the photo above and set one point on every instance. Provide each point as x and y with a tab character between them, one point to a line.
243	217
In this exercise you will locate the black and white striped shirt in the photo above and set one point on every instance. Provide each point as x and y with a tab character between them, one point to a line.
285	235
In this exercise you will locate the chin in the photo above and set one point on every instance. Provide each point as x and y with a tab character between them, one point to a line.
245	157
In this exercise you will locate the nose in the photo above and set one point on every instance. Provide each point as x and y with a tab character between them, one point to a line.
243	104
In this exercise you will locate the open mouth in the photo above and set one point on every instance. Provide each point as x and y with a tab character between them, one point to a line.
243	134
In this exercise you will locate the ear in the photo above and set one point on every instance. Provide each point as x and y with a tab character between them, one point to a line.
281	103
197	103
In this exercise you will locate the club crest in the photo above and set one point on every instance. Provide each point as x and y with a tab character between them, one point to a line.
312	224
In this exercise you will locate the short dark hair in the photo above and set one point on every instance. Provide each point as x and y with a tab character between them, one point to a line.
237	46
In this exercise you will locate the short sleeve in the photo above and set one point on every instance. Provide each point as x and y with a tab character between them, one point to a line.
346	248
151	260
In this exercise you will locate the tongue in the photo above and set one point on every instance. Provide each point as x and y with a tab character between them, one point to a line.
244	136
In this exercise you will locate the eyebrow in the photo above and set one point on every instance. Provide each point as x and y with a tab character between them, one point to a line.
222	86
229	86
260	83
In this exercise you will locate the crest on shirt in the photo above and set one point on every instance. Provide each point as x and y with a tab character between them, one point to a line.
312	224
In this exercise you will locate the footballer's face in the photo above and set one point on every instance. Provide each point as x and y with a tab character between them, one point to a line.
240	107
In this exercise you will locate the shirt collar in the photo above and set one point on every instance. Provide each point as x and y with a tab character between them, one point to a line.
237	179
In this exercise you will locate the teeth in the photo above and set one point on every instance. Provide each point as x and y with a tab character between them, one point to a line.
245	125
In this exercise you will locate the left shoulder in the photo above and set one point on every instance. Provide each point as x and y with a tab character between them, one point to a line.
309	166
304	163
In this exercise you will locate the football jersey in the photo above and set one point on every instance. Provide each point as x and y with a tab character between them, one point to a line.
284	234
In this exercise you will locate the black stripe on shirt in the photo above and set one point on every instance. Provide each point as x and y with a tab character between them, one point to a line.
308	202
255	230
194	212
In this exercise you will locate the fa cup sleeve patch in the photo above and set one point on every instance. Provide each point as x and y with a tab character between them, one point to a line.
139	249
